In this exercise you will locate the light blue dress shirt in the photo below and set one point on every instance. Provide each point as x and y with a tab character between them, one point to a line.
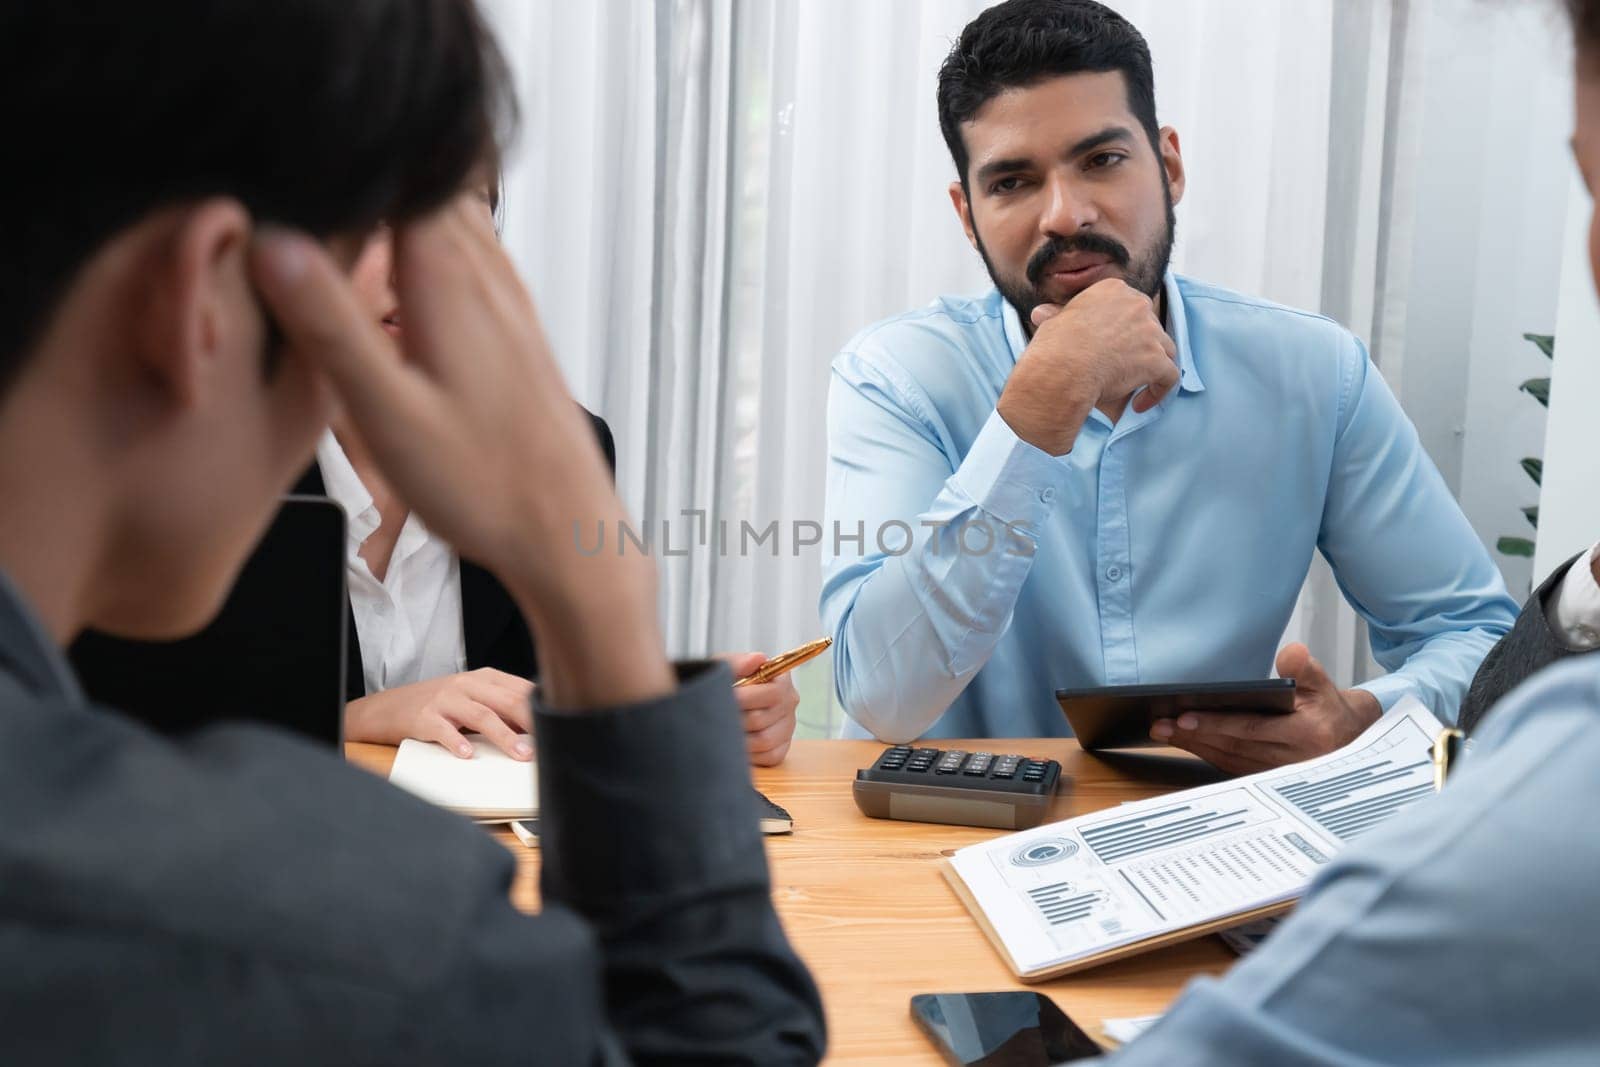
1462	932
968	575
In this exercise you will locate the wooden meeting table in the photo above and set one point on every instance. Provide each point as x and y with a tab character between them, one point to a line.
867	909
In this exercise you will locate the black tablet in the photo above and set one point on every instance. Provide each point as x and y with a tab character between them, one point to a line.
1120	716
275	653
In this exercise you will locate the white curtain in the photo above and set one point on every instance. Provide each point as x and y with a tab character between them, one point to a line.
712	196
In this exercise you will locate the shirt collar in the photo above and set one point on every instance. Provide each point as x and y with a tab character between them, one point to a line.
1177	328
28	653
344	486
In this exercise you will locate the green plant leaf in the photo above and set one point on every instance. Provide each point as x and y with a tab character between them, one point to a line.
1538	388
1515	546
1545	341
1534	468
1532	515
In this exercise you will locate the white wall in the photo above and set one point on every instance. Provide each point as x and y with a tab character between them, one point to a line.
1569	506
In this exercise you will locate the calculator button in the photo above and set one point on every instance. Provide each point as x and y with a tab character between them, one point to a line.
951	762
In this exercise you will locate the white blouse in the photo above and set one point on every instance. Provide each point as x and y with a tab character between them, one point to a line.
409	624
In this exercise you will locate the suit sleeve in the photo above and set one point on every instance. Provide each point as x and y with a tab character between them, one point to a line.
650	837
1531	646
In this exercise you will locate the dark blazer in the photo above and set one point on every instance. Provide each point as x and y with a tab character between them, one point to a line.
240	896
496	635
1530	647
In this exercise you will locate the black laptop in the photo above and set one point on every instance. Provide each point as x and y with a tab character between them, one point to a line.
274	654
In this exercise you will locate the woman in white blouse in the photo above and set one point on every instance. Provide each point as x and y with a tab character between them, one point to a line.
413	625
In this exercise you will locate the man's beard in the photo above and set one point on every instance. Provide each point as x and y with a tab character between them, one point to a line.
1145	275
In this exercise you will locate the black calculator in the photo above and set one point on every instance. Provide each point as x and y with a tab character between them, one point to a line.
1008	792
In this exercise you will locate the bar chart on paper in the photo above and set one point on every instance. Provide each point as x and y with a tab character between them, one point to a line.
1349	797
1210	852
1083	891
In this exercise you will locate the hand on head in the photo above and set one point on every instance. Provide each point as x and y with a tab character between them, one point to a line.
475	429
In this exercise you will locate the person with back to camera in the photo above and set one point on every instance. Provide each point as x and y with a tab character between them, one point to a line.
176	327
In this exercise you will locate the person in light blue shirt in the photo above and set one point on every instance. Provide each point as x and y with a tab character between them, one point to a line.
1101	472
1461	932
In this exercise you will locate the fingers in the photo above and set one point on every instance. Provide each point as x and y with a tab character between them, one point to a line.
1153	393
1224	750
764	705
439	271
768	746
509	685
513	684
322	321
1225	759
1221	727
442	730
507	695
1295	661
454	279
488	722
1043	313
769	719
743	664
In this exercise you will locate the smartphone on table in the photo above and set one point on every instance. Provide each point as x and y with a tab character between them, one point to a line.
1010	1029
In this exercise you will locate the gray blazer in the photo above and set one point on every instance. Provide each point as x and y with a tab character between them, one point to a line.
1530	647
238	896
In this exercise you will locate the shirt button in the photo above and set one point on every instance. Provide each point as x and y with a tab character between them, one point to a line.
1114	573
1047	495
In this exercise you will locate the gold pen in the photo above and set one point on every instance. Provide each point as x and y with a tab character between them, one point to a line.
1445	749
788	661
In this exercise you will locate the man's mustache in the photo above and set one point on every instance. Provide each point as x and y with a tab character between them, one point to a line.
1058	246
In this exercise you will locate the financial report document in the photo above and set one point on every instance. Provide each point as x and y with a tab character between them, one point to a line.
1074	889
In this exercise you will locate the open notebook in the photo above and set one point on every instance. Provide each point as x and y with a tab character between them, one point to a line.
490	787
1074	894
493	787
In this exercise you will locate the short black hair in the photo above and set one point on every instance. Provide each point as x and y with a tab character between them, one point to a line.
1022	42
1585	22
326	115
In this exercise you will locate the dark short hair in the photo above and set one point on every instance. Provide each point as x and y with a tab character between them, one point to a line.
1585	22
327	115
1022	42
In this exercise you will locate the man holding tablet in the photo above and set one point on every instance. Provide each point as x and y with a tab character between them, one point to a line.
1102	473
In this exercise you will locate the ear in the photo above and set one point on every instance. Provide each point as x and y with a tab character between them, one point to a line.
958	200
193	293
1172	162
